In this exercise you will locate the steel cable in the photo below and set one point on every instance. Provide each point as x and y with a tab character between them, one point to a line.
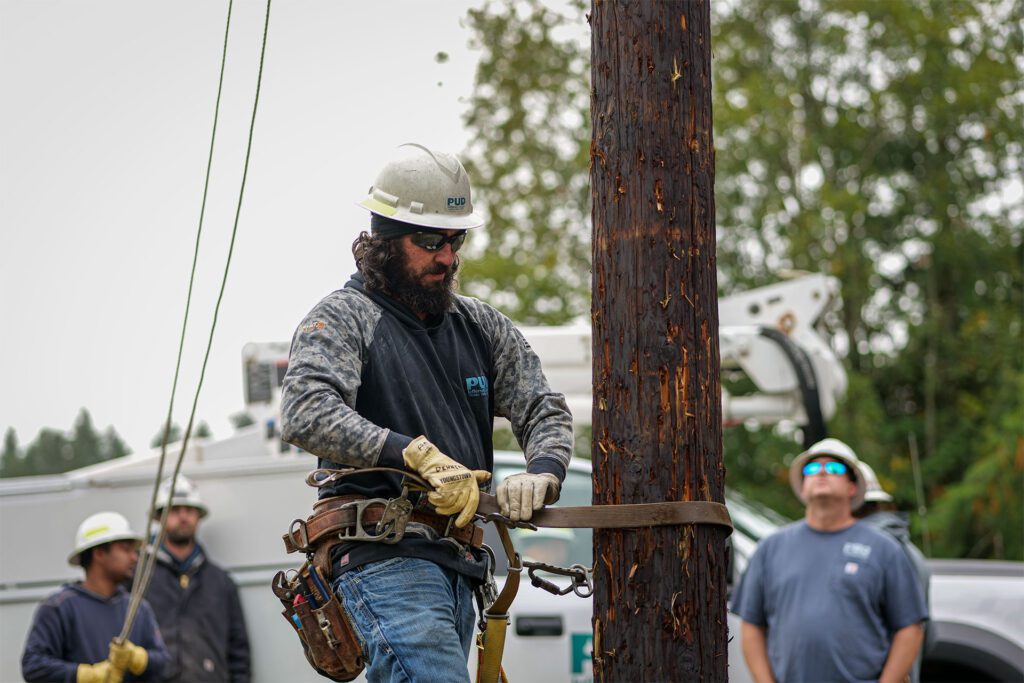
142	578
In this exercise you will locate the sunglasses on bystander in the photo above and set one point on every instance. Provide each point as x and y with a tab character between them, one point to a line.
831	467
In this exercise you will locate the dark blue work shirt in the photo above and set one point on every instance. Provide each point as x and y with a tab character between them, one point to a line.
75	626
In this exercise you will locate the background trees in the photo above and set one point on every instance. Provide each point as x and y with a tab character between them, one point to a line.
54	451
878	142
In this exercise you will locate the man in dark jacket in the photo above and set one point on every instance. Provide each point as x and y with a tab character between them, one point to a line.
195	601
397	370
73	629
879	510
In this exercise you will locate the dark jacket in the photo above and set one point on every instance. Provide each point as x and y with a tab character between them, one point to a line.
897	526
366	376
200	616
75	626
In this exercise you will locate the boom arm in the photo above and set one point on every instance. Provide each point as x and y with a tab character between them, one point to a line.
769	335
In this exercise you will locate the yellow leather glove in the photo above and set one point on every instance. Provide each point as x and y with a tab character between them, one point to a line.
456	488
92	673
520	494
128	657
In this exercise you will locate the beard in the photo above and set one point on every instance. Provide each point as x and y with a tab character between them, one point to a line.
405	287
180	536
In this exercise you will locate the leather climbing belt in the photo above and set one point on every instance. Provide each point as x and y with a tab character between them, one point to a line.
395	513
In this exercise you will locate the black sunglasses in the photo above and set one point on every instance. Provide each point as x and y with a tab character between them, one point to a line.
434	241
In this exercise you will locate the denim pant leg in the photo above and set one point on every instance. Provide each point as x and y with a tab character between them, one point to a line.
415	619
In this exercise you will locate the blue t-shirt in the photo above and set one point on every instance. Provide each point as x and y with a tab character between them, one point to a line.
830	601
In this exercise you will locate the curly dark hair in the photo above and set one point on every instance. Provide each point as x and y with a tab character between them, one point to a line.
373	254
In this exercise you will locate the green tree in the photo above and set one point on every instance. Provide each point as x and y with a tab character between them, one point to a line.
11	460
85	442
200	431
528	155
112	446
173	435
878	142
242	419
51	452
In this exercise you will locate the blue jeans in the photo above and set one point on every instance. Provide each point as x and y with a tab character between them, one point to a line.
414	618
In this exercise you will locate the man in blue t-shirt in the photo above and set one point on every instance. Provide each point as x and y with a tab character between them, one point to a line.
830	598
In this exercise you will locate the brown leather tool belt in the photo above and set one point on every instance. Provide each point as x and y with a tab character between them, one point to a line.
358	518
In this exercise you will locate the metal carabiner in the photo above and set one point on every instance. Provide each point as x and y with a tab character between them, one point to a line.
498	517
582	581
303	534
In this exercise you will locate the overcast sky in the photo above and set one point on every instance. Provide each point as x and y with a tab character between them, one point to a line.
104	136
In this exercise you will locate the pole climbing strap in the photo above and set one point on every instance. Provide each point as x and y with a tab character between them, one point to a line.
630	516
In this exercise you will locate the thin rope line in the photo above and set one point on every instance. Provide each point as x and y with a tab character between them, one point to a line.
184	323
137	597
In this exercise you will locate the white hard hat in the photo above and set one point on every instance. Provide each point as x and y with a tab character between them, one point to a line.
833	448
98	529
873	493
186	494
425	188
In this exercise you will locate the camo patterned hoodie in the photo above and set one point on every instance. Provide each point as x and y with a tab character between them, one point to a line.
366	376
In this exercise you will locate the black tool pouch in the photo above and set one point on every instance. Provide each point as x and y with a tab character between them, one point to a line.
328	638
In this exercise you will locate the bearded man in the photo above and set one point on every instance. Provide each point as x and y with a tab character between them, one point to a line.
397	370
195	601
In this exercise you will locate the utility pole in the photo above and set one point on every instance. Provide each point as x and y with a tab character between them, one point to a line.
659	609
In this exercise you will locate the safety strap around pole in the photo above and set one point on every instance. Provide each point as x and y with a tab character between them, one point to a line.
627	516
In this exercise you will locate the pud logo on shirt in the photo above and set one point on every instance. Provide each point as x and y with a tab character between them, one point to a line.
858	550
476	386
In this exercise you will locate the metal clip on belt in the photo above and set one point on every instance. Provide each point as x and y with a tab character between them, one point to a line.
390	528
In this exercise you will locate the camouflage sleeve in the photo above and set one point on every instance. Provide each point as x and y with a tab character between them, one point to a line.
318	395
540	418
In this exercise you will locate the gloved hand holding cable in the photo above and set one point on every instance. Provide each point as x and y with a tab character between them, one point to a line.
127	656
93	673
520	494
456	488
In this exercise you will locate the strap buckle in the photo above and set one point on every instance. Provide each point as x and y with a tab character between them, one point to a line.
391	527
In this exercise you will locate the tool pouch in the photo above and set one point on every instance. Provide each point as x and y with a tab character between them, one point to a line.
325	630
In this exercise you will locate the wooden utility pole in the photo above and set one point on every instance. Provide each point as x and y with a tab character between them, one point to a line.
659	610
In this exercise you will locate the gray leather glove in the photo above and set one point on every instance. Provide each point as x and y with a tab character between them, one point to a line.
520	494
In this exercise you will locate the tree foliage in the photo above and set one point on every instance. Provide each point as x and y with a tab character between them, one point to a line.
176	433
54	451
877	142
529	141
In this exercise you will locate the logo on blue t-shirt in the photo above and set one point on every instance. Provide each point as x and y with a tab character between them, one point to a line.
476	386
858	550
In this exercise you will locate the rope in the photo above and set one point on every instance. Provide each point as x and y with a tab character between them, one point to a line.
188	304
139	589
